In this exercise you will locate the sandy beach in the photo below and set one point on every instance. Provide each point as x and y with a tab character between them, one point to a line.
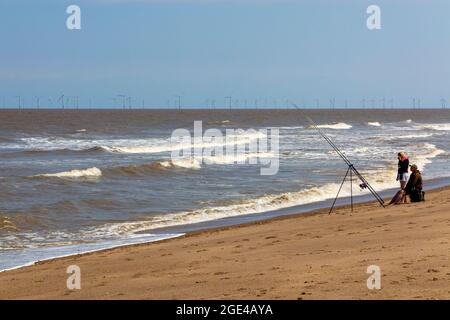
309	256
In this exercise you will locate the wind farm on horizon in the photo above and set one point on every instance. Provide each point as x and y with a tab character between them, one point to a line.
176	102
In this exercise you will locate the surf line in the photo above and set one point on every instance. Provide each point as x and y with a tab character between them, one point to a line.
241	146
351	168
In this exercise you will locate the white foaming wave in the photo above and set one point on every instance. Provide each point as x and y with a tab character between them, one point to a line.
380	179
403	136
132	146
195	163
336	126
374	124
414	136
186	163
251	206
168	146
237	158
437	126
76	173
431	151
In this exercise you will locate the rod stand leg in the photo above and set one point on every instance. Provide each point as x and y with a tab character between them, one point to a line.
340	188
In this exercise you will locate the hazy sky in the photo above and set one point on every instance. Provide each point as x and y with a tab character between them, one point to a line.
209	49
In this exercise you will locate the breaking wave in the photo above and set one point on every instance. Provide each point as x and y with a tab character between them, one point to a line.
336	126
76	173
188	163
131	146
381	179
437	126
374	124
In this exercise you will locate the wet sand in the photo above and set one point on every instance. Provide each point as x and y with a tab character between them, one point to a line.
309	256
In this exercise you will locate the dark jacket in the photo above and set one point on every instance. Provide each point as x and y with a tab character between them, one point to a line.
414	182
403	166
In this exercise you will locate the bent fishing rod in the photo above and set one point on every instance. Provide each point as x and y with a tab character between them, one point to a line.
351	168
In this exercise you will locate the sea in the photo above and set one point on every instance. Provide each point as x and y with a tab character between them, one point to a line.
74	181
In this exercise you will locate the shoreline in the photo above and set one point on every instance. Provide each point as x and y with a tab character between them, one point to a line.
167	233
201	240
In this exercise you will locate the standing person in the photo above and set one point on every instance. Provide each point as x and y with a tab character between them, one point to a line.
403	166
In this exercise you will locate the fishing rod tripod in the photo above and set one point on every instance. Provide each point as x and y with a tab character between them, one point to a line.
350	171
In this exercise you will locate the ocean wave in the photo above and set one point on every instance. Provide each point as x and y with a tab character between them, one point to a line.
188	163
402	136
336	126
380	179
136	169
168	146
131	146
220	122
238	158
437	126
425	157
76	173
374	124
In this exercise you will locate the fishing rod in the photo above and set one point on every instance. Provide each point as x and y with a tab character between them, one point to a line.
351	168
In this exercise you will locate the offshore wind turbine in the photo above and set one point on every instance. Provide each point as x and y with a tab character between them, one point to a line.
61	99
443	103
123	100
392	103
229	101
38	102
332	103
20	101
179	101
129	102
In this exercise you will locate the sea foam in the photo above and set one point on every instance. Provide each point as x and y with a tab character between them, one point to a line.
336	126
76	173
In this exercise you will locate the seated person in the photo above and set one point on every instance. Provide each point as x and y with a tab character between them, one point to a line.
414	185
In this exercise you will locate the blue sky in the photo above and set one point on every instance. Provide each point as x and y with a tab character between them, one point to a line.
262	50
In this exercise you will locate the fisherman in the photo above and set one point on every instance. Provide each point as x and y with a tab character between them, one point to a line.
413	188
